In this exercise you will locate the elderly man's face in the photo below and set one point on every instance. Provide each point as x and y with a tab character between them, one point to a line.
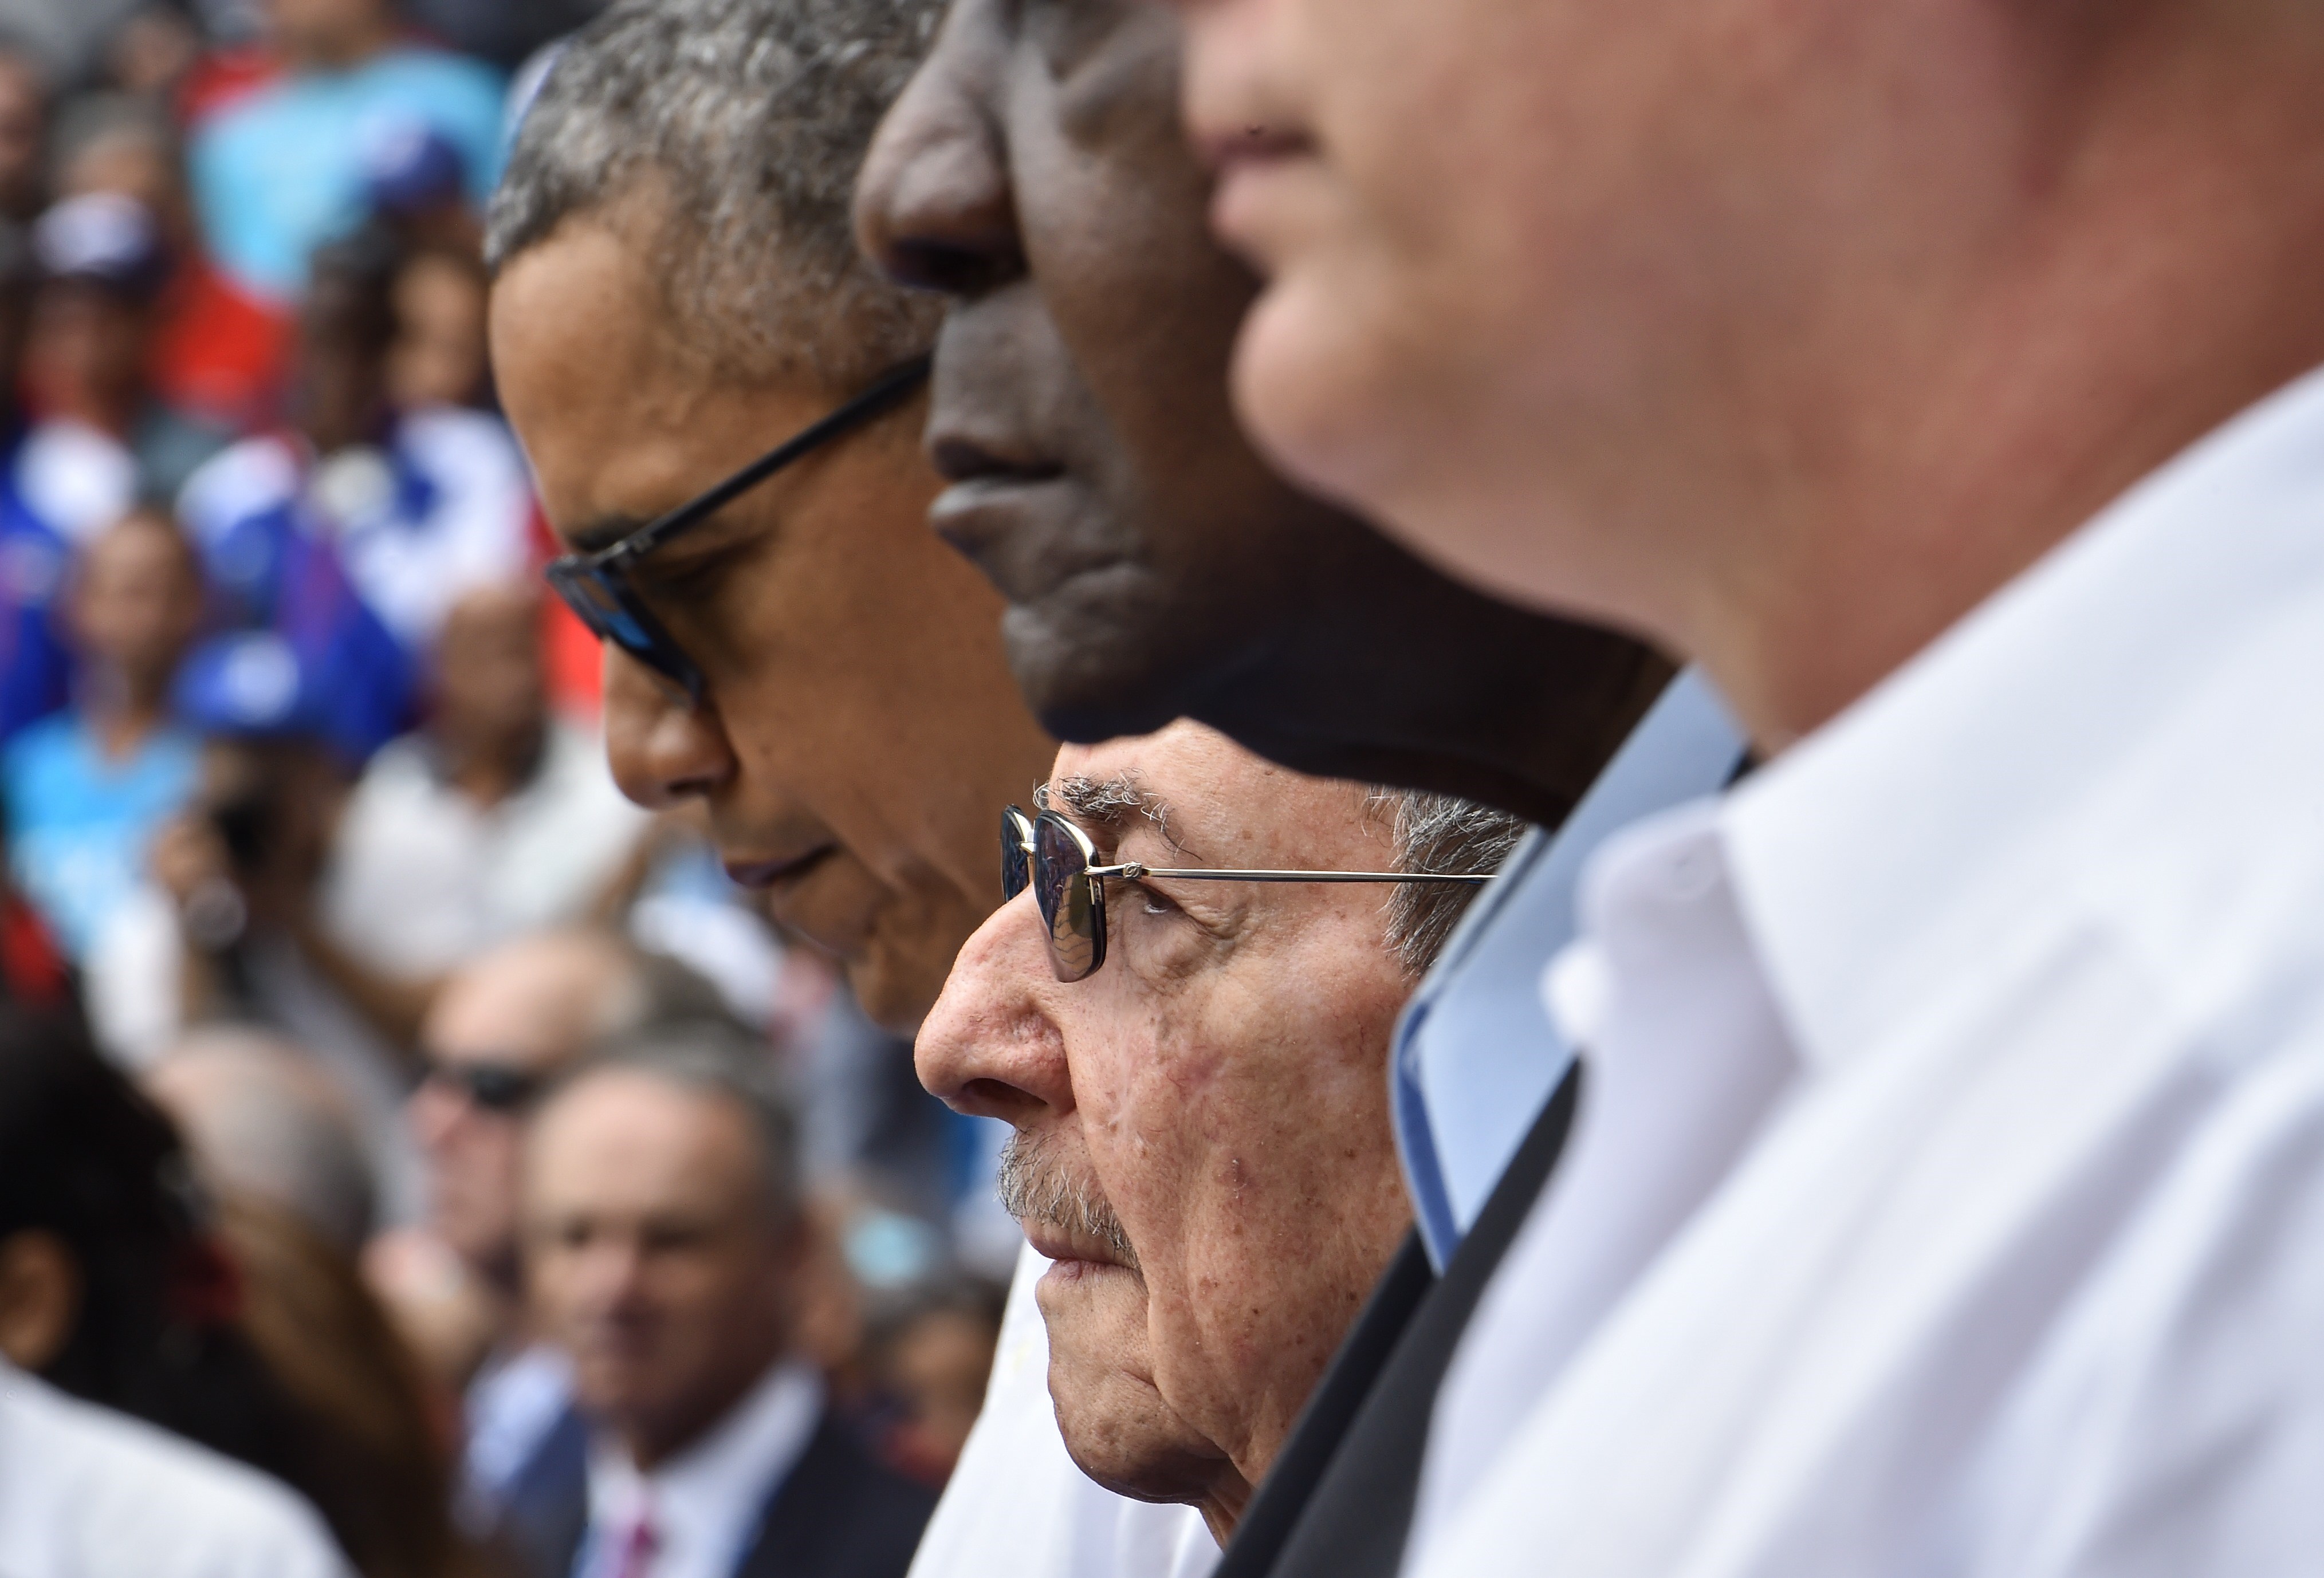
651	1253
1202	1130
860	725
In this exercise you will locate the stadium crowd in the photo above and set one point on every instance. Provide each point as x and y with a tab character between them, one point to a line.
1161	789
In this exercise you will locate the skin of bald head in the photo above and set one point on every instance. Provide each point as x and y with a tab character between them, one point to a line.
1201	1139
1783	332
654	1256
264	1120
860	729
1034	172
532	1006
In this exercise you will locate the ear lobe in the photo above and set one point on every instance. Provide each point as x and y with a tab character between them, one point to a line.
40	1298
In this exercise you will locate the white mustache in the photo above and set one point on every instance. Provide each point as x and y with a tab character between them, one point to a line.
1034	1188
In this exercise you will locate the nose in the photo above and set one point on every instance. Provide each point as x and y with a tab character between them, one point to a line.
991	1046
933	206
662	752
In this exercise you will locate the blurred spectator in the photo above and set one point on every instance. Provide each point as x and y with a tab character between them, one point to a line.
24	119
420	507
665	1239
35	670
438	355
505	32
415	189
496	818
34	973
280	170
217	353
931	1355
115	1291
501	1031
228	933
88	789
267	1126
102	442
152	52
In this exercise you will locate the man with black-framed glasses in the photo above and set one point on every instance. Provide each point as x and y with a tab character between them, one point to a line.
721	406
1185	1013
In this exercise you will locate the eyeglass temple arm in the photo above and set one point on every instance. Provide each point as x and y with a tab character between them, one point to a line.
1133	870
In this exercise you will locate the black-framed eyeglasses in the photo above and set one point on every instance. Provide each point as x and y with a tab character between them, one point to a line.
597	586
497	1088
1055	859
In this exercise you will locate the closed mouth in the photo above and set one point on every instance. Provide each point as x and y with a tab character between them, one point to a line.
767	873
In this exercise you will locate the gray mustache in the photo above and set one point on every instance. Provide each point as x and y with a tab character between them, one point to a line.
1033	1187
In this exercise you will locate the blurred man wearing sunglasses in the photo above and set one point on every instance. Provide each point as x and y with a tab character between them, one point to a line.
1185	1013
721	404
501	1029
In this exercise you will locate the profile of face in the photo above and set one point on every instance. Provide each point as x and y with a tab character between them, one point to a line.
859	728
1202	1135
653	1258
137	602
1034	171
1550	284
500	1028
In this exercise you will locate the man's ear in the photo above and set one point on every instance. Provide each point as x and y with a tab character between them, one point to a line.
40	1297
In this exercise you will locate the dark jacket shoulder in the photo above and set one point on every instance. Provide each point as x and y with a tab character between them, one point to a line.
839	1513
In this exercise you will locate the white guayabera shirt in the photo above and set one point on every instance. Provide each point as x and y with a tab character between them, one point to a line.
86	1492
2018	1269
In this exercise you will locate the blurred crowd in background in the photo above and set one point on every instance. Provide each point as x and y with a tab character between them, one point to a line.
307	829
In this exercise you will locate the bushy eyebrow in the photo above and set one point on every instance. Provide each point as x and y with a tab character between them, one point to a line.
1110	805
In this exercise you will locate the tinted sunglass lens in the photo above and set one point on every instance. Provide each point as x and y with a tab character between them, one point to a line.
1074	916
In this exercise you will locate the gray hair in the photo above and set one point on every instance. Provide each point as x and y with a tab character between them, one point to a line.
1441	834
751	117
711	1060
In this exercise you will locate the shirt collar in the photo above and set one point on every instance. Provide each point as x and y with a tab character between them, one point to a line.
707	1500
1951	806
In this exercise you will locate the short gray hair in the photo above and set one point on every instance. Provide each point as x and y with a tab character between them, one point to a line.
1444	835
751	118
712	1060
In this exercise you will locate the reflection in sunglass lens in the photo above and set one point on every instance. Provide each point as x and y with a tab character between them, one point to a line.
1016	858
1072	910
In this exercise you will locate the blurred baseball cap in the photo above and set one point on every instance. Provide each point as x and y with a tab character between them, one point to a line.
250	684
105	238
409	167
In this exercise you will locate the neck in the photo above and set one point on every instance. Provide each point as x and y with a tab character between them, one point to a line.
1433	687
2160	282
122	713
1222	1504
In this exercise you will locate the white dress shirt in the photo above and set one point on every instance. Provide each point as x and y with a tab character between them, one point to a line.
2020	964
704	1504
1016	1507
86	1492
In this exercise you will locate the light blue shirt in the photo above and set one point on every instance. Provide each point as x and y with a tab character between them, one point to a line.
279	173
79	825
1476	1057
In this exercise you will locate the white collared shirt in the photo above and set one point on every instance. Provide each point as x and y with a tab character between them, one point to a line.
704	1504
86	1492
2021	1273
1017	1507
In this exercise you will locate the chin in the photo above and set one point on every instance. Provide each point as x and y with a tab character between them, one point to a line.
1096	673
1314	395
